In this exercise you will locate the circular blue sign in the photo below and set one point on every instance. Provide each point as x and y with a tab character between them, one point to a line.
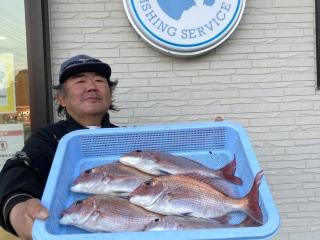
184	27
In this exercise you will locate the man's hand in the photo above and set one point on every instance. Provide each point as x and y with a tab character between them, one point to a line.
23	215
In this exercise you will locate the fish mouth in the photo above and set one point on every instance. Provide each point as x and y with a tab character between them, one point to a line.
63	220
82	187
75	188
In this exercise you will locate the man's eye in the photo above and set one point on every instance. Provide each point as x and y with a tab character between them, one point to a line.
80	81
100	80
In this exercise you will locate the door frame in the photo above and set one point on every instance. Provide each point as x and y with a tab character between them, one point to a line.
317	22
39	63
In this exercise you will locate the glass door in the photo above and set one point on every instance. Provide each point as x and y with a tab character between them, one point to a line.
14	82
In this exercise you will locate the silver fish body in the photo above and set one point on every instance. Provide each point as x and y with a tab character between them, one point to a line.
113	178
105	213
182	223
186	196
161	163
171	222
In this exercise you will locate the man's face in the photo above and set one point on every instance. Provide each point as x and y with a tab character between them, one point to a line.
85	95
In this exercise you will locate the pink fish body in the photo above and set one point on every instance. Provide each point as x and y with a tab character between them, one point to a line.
114	178
171	222
186	196
161	163
105	213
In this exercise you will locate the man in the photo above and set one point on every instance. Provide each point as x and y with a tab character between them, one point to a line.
84	94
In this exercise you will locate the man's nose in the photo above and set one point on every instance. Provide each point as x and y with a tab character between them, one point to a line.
91	85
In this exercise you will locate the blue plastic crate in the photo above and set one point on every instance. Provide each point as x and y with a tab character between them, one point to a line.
211	143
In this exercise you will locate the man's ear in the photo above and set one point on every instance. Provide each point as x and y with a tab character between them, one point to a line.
61	100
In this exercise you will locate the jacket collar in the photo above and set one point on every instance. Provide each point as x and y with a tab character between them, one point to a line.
74	125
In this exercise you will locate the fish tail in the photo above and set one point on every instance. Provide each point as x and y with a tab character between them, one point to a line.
253	208
229	170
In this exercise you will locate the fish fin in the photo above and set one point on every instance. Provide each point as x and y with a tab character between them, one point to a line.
223	219
187	214
199	177
123	195
193	161
179	196
176	195
248	222
205	179
220	185
229	170
225	187
253	209
163	172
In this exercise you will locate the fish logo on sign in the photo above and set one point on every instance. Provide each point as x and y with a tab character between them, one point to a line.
184	27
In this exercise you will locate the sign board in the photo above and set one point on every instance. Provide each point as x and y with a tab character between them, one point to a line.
184	27
11	140
7	92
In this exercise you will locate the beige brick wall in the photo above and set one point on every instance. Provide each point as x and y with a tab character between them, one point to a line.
263	77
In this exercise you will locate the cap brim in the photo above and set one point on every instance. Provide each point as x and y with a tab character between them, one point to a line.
98	67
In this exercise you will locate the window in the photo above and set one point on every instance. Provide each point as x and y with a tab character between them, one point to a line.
25	82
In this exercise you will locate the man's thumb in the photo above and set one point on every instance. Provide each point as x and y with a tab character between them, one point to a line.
43	214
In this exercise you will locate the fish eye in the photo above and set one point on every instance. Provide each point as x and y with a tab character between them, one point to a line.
148	183
79	202
138	151
157	220
88	171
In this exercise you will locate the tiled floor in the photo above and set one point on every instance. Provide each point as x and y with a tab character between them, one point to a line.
6	236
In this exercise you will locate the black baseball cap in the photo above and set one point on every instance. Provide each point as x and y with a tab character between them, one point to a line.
83	63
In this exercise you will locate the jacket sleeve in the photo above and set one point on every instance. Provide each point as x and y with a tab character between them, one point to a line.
24	176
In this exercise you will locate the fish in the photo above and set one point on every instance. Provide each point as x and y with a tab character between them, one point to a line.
171	222
113	178
106	213
186	196
161	163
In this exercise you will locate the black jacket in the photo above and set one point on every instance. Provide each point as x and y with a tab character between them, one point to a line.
24	176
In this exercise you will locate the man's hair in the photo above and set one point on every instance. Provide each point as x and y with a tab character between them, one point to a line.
60	91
